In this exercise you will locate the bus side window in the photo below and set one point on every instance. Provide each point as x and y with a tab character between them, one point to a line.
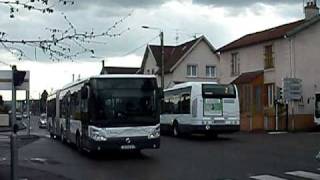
185	104
61	108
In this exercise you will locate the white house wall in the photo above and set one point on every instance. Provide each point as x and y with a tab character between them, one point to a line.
251	59
307	64
151	64
201	56
305	55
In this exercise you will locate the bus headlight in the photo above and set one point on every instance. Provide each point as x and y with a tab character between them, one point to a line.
155	133
96	135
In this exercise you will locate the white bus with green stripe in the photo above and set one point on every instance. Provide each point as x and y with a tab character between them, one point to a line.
200	107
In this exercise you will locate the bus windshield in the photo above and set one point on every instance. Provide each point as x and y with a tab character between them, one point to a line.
218	91
317	107
119	102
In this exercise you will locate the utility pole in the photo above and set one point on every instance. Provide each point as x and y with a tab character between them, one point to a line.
28	110
162	59
13	137
162	52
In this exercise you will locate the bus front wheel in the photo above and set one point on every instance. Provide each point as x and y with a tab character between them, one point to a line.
175	129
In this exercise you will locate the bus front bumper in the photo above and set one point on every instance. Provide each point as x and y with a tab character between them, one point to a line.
123	143
221	129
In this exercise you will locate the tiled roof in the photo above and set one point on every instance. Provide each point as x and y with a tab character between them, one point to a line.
172	54
262	36
119	70
247	77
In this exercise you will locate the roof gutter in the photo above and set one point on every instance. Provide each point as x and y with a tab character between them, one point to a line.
303	26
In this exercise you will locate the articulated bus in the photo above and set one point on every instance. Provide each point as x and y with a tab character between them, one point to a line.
200	107
317	109
107	112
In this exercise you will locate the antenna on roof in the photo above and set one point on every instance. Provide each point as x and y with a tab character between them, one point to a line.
177	36
195	36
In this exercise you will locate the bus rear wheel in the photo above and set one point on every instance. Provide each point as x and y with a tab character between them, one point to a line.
78	142
51	135
62	138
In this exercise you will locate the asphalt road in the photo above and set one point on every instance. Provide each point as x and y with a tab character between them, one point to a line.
236	156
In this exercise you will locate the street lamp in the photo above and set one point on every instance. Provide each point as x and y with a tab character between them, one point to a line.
162	52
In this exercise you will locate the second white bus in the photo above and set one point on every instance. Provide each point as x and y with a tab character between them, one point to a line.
200	107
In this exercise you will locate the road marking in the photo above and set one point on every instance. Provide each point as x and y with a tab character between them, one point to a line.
266	177
41	135
275	133
304	174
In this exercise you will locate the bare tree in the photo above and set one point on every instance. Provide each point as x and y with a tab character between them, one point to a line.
61	44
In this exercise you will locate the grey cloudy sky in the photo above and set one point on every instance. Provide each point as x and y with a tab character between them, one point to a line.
221	21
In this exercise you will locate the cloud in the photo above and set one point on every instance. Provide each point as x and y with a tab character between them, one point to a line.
113	6
240	7
220	20
244	3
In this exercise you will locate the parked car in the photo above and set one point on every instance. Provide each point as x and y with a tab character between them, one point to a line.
18	116
25	115
43	121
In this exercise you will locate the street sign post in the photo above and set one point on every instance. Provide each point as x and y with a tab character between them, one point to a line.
292	89
15	80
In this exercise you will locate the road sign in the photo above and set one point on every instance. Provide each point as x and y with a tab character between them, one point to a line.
6	81
292	89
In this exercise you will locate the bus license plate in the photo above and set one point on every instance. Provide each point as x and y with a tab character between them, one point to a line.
219	121
128	147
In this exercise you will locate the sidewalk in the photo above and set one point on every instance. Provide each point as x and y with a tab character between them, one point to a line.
27	173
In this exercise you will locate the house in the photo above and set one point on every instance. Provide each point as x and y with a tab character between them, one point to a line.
195	60
258	62
118	70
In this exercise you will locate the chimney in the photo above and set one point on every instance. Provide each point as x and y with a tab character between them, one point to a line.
102	63
311	9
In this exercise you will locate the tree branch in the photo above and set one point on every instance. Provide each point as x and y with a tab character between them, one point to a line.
61	43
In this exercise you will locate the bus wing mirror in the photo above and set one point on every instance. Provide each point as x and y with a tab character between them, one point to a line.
160	93
85	92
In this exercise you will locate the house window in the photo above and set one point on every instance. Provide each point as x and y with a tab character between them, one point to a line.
270	94
235	64
152	71
192	70
268	57
210	71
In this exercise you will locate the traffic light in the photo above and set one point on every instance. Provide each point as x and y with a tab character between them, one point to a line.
281	93
18	77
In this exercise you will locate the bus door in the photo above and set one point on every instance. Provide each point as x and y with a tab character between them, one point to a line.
68	114
84	100
317	109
